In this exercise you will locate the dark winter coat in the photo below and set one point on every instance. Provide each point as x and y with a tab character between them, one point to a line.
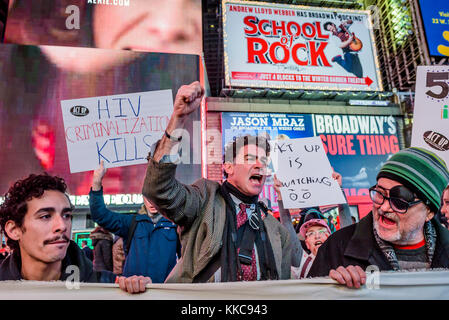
102	243
89	253
355	245
153	247
10	269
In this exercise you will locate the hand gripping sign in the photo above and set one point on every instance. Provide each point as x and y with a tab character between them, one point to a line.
118	129
305	173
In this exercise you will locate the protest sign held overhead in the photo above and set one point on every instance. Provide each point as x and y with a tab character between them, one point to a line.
303	169
118	129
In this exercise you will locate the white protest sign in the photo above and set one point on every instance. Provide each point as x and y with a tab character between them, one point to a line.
305	173
431	111
117	129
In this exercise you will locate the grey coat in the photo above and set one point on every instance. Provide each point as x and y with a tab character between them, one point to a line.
199	211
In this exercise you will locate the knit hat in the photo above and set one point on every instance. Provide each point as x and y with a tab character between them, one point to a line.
421	171
313	217
311	223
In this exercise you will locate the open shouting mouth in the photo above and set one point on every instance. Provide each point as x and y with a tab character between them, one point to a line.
318	243
256	178
386	222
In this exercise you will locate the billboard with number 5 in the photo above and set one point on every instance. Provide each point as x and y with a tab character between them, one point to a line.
431	111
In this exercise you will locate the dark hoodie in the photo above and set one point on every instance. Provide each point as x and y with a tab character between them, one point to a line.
10	269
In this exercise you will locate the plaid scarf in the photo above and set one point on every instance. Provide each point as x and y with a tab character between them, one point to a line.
429	235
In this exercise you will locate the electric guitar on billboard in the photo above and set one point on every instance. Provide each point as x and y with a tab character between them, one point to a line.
356	44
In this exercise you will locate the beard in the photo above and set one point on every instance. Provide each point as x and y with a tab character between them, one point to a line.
399	235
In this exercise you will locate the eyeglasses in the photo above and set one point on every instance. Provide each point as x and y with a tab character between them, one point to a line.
319	232
397	204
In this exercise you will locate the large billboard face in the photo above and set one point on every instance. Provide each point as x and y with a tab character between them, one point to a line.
435	16
296	47
356	145
35	79
173	26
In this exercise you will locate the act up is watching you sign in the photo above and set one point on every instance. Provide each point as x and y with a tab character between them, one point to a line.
301	165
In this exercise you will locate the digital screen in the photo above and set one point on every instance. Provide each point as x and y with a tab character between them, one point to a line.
34	80
57	50
79	237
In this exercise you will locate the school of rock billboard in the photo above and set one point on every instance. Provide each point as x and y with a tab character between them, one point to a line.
285	46
356	145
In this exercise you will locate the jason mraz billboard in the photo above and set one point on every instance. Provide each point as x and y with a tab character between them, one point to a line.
296	47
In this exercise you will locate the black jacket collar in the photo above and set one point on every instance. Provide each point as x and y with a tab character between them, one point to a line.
10	269
362	243
363	246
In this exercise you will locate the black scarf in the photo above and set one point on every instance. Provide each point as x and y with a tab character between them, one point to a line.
230	263
229	188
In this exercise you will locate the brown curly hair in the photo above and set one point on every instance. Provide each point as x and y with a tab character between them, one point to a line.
15	205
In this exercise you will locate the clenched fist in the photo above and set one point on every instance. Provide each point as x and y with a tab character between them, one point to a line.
188	99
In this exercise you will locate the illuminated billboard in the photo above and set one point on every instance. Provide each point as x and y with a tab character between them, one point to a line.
435	17
296	47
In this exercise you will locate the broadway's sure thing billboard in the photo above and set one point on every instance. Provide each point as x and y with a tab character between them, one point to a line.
296	47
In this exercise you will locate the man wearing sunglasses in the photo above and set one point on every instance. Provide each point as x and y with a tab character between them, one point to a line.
400	232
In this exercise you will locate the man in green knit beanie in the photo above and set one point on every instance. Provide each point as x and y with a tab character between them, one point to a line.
400	233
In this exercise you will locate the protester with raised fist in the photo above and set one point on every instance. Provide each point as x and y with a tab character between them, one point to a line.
225	234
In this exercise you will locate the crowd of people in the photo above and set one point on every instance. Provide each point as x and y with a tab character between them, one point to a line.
219	232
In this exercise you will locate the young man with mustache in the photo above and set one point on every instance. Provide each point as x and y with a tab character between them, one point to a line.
400	233
37	219
225	234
